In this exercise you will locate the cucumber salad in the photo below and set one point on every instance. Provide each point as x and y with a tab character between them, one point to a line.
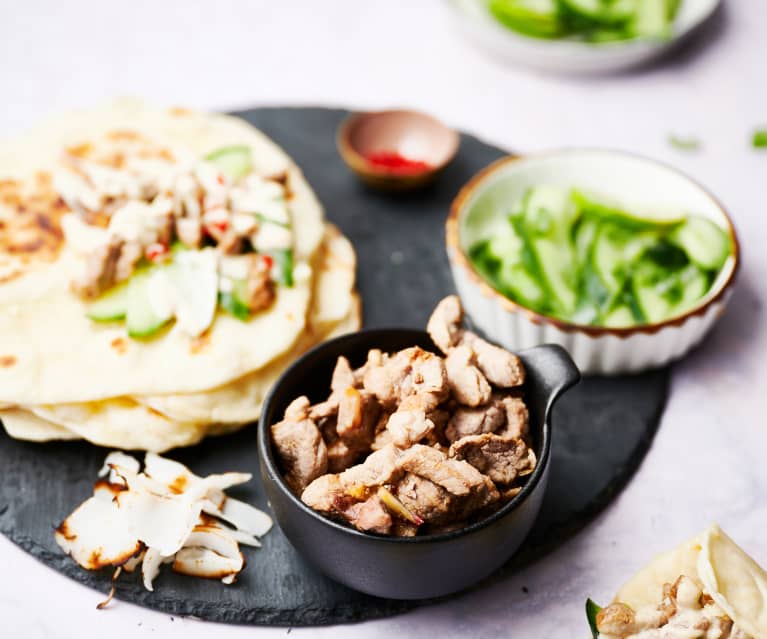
568	255
587	20
162	238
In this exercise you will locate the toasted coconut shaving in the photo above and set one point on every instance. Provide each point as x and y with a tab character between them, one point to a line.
165	514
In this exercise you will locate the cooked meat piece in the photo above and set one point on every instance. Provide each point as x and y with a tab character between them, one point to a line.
164	224
298	409
358	413
517	419
404	528
230	243
408	427
100	270
341	456
467	383
301	450
379	468
189	231
324	493
457	477
616	619
502	368
509	493
325	410
343	376
410	371
501	459
440	417
259	289
475	421
424	498
444	325
369	515
382	439
130	254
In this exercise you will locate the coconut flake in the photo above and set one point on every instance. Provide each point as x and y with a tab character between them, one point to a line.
166	514
97	535
203	562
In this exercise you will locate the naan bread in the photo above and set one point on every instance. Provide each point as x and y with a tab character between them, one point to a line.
50	352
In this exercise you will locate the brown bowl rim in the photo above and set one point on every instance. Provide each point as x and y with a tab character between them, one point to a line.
359	164
458	257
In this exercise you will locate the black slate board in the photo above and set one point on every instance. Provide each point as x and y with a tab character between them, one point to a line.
602	429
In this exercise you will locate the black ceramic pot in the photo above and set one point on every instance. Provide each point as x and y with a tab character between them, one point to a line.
415	567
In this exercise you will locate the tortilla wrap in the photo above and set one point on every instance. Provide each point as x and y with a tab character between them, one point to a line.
51	353
174	421
727	573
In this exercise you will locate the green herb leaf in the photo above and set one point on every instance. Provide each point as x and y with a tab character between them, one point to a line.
283	260
232	305
684	143
592	610
267	220
759	141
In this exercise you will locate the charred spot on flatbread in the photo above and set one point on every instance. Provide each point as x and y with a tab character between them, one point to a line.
30	219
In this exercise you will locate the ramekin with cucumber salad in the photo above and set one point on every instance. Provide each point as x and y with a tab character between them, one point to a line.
579	258
587	20
625	262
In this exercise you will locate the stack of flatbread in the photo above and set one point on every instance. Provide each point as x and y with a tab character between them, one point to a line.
65	376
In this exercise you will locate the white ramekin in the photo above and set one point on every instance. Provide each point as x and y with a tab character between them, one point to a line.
641	185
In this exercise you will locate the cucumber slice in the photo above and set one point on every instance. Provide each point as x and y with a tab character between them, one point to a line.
111	306
143	317
557	268
233	161
696	283
504	242
705	243
549	211
233	302
608	260
619	317
603	212
604	12
537	18
651	19
283	266
522	287
656	305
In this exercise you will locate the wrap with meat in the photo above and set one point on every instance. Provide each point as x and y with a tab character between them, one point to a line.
66	372
707	587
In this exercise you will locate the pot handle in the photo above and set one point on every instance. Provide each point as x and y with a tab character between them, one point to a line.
553	368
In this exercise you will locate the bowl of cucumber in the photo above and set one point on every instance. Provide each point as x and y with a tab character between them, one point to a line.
579	36
624	261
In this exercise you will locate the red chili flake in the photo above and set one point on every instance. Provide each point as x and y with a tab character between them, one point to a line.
268	262
156	252
221	179
394	162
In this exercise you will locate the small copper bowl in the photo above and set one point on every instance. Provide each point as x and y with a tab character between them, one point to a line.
410	134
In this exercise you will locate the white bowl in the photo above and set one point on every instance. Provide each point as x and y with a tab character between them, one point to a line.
639	184
473	19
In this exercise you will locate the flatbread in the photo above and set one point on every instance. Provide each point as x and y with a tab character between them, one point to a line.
727	573
126	424
51	353
334	308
